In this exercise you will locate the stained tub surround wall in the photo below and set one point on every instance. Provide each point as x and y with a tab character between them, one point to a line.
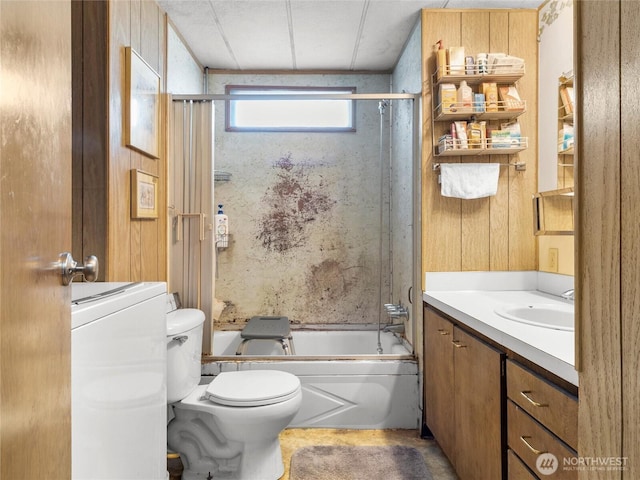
405	187
304	213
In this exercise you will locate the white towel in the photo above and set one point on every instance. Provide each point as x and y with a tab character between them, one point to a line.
469	180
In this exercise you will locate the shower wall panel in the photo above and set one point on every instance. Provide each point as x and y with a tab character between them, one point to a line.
405	173
304	213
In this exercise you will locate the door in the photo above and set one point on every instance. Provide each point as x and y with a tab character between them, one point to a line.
478	408
439	381
35	226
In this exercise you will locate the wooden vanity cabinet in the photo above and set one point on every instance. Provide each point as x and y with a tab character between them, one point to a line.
517	469
439	381
541	418
464	385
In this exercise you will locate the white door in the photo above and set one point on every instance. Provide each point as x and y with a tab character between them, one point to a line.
35	226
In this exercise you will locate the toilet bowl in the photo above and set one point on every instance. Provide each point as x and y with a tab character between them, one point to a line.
229	428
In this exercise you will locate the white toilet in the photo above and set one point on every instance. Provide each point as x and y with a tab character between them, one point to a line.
228	429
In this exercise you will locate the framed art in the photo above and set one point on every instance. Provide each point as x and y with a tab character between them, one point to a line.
144	195
142	105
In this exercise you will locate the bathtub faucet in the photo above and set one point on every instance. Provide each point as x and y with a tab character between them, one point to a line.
395	328
396	310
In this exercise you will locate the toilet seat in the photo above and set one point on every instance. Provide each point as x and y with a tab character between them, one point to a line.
252	388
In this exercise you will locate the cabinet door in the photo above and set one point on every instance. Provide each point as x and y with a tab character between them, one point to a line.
438	359
517	470
478	418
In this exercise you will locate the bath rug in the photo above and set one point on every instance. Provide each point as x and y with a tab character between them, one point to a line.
344	462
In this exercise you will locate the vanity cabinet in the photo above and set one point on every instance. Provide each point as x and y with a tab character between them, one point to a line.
541	418
493	412
463	398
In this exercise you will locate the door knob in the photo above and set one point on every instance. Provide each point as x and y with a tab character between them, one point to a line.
69	268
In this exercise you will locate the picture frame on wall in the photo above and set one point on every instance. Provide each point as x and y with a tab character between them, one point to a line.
142	105
144	195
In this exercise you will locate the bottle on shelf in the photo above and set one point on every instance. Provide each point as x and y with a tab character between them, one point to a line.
441	60
464	98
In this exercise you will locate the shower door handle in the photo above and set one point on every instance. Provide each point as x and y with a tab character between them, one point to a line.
180	216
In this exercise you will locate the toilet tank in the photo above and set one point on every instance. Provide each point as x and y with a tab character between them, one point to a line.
184	351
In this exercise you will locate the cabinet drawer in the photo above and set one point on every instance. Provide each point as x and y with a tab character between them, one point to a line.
551	406
516	469
529	440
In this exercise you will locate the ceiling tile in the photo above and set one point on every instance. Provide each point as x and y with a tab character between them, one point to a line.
257	32
325	33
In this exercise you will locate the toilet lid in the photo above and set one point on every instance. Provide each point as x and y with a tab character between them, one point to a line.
251	388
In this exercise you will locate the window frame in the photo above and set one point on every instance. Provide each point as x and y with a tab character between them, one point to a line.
231	90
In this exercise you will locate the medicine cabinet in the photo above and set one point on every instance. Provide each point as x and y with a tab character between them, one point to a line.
553	212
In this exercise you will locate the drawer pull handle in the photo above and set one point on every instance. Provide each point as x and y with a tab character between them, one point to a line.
442	332
529	446
526	394
457	344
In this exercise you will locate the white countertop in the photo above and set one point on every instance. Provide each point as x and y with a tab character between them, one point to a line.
551	349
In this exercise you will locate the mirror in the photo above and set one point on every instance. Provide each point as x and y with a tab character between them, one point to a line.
556	66
553	212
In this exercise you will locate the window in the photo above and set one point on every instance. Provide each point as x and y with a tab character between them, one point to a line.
290	115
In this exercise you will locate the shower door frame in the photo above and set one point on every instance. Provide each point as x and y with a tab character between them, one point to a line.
416	311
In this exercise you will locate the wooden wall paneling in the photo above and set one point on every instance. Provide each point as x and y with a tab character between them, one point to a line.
162	259
441	216
475	232
95	127
499	28
138	160
135	12
151	234
494	233
119	230
499	220
137	248
598	283
630	255
523	30
90	127
499	203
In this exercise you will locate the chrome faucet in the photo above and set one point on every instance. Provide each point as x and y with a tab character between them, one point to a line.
394	328
396	311
568	295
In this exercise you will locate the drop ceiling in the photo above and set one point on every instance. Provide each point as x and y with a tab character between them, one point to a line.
305	34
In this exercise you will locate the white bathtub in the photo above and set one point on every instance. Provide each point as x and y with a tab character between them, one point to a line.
345	382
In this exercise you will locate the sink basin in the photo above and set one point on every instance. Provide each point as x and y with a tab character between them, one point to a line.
547	315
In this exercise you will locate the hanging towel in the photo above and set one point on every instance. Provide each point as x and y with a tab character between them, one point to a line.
469	180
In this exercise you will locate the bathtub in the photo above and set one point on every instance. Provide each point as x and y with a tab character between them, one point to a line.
345	382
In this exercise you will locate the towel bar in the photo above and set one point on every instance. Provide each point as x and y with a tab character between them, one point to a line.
519	166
